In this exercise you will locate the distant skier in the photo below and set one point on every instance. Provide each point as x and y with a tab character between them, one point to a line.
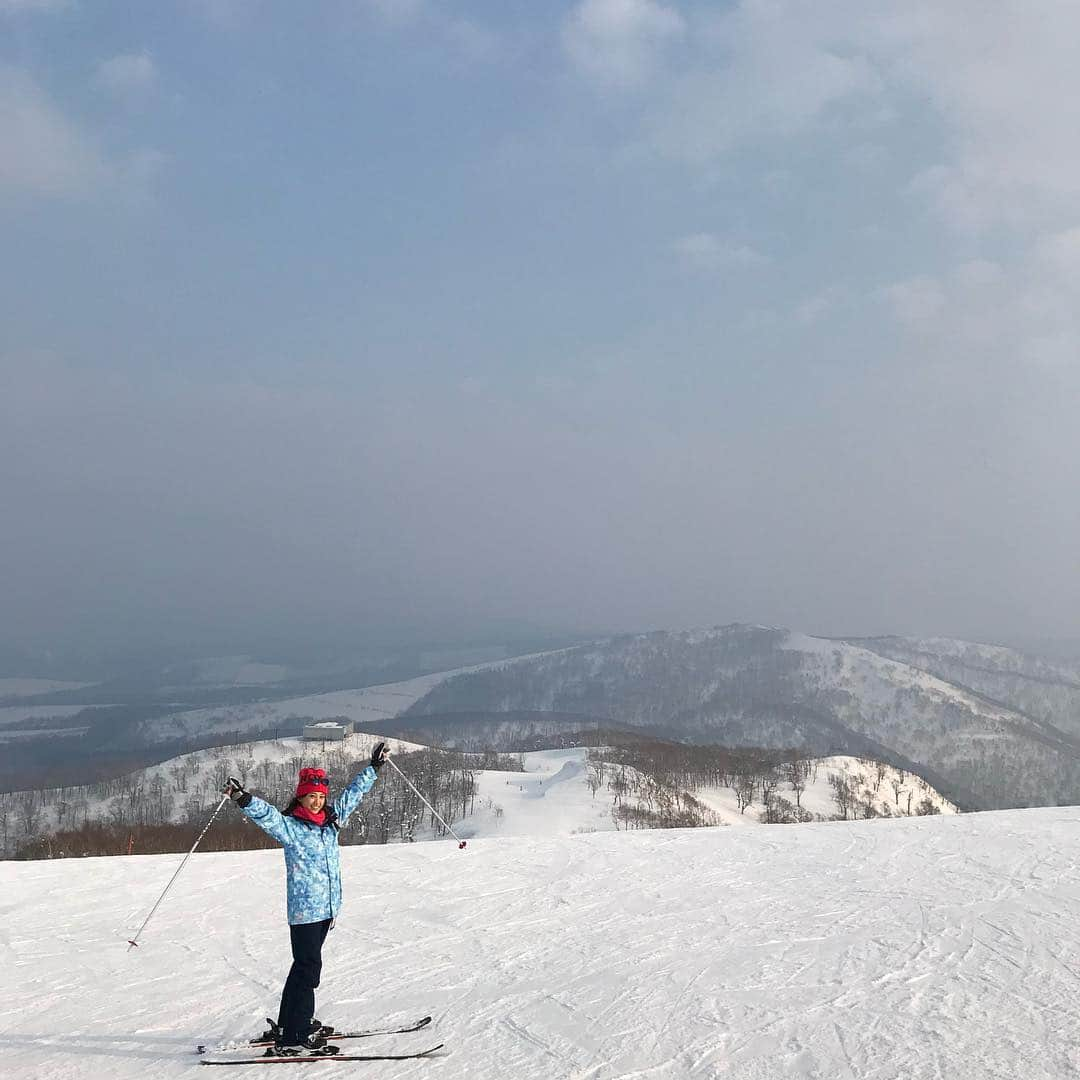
308	830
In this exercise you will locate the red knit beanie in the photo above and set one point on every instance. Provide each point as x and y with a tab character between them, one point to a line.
312	780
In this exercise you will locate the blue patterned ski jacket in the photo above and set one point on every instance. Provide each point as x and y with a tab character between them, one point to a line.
312	865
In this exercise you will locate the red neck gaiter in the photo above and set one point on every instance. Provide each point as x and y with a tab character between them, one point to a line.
304	814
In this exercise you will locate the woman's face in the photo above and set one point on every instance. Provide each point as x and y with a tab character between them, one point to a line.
313	801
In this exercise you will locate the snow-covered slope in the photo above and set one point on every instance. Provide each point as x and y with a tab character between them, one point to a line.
922	948
11	715
957	732
552	796
556	793
1045	689
887	791
183	787
765	686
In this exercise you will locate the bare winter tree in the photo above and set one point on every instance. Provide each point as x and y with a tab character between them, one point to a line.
744	791
880	768
619	786
27	813
795	772
843	794
767	781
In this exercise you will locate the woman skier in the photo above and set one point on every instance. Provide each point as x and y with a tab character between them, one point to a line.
308	830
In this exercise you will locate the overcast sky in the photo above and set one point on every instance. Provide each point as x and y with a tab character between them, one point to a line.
433	317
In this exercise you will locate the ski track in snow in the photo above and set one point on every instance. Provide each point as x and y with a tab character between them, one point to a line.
919	948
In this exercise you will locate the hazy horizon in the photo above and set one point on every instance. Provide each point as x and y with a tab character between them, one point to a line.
392	322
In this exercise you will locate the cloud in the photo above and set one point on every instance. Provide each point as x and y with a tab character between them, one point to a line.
473	386
770	71
466	38
43	152
397	12
866	157
46	155
706	251
821	304
230	14
758	72
1003	318
1060	253
620	43
1008	158
127	75
978	272
471	40
917	302
14	7
555	385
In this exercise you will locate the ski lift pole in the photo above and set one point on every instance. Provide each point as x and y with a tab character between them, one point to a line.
461	843
134	942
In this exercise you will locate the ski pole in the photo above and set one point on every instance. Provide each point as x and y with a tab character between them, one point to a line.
134	942
461	843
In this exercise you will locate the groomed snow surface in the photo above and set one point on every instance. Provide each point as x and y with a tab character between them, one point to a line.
941	947
552	796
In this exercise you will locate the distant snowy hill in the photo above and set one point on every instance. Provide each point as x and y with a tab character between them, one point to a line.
369	704
916	948
764	686
1044	689
16	719
556	792
553	797
262	718
988	726
64	733
186	787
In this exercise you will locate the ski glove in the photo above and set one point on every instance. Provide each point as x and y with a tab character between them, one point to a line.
379	755
235	790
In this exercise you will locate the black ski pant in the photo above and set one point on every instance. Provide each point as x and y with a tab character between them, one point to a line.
298	997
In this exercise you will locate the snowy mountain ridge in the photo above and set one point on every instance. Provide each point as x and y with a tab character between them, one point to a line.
987	725
1044	690
764	686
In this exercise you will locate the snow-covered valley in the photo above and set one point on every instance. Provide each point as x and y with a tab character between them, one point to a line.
918	948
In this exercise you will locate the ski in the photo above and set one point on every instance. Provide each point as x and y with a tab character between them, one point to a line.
304	1058
363	1033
